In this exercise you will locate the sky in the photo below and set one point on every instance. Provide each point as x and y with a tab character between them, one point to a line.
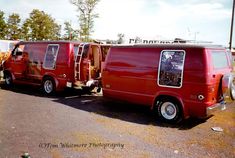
202	20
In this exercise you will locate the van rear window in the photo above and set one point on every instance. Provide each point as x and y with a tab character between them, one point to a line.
219	59
50	57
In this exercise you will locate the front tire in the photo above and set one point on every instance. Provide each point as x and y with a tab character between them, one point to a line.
48	86
169	110
8	79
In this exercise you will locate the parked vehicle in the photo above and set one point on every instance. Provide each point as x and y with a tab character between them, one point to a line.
54	65
6	46
175	80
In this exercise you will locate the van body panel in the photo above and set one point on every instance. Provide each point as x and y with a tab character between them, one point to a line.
132	73
31	62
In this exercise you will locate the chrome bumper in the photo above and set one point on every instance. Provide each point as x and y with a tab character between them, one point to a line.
216	107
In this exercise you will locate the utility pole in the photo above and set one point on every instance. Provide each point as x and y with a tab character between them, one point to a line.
231	30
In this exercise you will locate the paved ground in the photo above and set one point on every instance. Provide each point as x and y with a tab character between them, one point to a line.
73	126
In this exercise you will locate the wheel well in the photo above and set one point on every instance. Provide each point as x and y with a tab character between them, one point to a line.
47	76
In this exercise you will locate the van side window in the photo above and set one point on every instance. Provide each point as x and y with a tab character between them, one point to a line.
51	56
219	59
171	65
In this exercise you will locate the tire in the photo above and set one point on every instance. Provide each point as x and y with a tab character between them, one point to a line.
169	110
228	87
232	91
98	90
48	86
8	79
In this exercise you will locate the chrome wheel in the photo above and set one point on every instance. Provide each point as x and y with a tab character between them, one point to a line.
168	110
48	86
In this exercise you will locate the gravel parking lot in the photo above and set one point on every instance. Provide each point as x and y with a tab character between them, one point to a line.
74	125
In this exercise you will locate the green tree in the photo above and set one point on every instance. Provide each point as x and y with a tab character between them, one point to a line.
13	27
26	31
40	26
86	16
3	25
70	33
57	30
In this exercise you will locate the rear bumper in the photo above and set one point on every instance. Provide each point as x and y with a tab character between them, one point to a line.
216	107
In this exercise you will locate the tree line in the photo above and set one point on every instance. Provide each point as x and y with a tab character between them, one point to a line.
41	26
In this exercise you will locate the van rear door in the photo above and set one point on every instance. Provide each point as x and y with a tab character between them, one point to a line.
220	65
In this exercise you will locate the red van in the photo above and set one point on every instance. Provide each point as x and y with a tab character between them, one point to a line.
175	80
54	65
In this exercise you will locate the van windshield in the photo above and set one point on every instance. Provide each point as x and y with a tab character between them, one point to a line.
219	59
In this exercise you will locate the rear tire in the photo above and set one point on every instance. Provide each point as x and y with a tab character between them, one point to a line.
48	86
169	110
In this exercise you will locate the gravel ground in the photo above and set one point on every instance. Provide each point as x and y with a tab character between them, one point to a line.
74	125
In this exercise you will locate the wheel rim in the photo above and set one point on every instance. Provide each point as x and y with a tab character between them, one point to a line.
8	80
168	110
48	86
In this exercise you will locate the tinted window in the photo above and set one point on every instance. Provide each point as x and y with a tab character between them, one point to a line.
171	68
50	57
219	59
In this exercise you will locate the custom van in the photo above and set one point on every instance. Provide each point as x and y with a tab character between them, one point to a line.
54	65
176	80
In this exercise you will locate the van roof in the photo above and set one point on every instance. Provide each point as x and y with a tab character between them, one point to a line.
171	45
51	42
